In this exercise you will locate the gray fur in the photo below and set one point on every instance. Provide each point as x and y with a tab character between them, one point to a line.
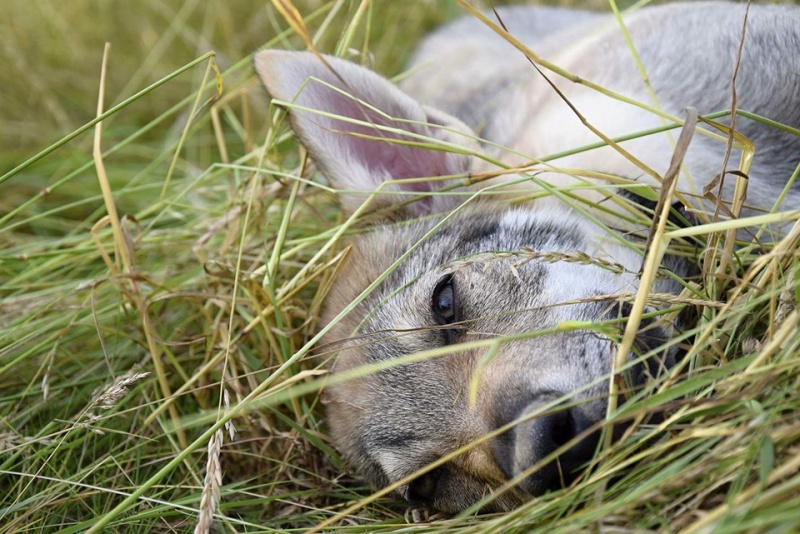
531	269
701	41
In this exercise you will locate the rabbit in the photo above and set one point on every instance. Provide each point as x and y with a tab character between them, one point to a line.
460	266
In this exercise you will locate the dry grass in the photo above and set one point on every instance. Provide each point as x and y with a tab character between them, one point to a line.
159	298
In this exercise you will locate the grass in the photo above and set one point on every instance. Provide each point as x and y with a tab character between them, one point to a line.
158	299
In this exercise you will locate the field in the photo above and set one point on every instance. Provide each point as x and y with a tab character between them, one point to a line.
164	258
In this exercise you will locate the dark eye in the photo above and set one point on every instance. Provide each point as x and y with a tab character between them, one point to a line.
444	300
423	488
443	303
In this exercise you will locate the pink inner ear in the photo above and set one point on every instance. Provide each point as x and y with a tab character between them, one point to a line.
380	158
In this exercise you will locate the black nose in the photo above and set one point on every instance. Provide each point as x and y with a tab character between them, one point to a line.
532	441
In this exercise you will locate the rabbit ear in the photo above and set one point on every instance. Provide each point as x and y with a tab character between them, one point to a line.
342	114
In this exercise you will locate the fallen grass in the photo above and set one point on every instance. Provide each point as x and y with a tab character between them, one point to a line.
179	388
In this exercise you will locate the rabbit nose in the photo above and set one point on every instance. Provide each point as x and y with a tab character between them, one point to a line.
528	443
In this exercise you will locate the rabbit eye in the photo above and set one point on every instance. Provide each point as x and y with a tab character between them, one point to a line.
445	307
443	302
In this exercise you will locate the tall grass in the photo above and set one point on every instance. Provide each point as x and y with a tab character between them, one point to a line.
161	279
